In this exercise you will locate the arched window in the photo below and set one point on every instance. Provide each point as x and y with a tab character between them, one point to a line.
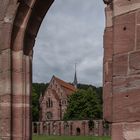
49	103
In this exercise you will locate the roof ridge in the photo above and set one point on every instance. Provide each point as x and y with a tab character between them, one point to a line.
65	84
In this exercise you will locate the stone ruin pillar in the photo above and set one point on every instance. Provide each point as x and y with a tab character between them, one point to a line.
19	24
15	79
122	68
100	128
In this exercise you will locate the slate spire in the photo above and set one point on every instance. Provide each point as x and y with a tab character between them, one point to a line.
75	78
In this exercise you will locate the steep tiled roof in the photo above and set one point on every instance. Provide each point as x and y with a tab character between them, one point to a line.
65	84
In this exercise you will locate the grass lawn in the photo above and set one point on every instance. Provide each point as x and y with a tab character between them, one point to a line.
69	138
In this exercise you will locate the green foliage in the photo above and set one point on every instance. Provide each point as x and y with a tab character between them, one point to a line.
99	90
85	86
37	89
83	104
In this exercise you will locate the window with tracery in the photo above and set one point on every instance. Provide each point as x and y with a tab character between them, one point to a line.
49	103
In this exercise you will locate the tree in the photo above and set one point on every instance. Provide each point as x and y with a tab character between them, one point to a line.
37	89
83	104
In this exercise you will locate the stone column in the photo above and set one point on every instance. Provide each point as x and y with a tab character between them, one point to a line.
18	90
86	128
83	128
32	128
5	94
21	100
7	14
59	128
62	128
100	132
107	63
41	128
38	128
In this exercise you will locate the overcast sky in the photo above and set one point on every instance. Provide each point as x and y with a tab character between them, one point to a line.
72	32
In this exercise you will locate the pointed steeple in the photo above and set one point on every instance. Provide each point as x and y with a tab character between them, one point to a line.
75	78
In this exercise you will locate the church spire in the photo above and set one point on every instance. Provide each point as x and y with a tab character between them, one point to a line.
75	78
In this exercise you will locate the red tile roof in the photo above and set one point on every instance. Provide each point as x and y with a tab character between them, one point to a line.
65	84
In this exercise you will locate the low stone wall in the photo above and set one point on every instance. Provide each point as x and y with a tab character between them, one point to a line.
71	128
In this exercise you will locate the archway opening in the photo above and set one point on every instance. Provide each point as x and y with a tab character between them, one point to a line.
70	34
78	131
23	25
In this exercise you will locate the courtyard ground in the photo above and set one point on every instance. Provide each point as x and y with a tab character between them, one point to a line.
70	138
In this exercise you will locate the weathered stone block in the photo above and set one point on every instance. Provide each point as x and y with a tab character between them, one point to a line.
107	109
5	83
138	17
126	131
17	110
18	98
127	106
108	54
17	58
5	111
125	6
5	98
124	33
108	71
17	40
10	12
6	60
124	84
108	44
120	65
5	138
109	15
107	104
6	40
107	90
134	63
18	83
0	63
18	127
5	129
117	131
27	111
138	37
131	131
3	6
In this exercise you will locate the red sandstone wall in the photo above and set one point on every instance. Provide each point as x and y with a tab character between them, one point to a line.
70	128
121	69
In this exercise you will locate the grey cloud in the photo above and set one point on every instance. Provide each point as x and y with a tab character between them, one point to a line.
71	32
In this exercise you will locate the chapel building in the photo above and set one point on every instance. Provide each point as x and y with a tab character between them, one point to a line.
53	102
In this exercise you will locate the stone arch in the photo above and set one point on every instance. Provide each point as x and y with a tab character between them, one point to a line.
35	130
16	19
19	23
66	128
44	128
78	131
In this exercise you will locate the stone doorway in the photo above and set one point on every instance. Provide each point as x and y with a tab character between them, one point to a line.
78	131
